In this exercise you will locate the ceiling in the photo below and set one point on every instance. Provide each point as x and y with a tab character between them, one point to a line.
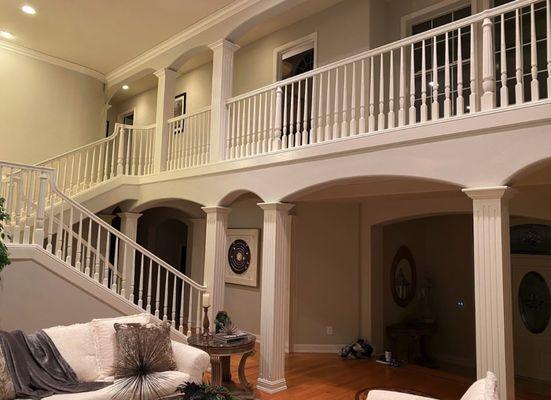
100	34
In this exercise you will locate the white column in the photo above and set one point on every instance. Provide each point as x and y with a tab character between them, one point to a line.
129	227
215	257
488	100
275	258
492	282
165	110
222	83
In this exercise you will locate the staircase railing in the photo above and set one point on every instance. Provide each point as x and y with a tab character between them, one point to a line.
436	75
128	151
189	138
42	214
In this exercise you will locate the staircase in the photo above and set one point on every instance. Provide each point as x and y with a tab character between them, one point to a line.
44	217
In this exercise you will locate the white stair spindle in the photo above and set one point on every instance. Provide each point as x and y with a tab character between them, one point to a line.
361	122
488	66
336	131
402	91
344	122
165	302
328	108
173	307
277	142
412	110
353	130
371	118
391	115
424	107
107	261
190	305
286	125
319	132
97	265
473	96
158	292
503	91
447	84
304	139
297	131
149	285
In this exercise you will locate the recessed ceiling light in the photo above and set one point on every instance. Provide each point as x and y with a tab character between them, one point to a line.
124	87
7	35
27	9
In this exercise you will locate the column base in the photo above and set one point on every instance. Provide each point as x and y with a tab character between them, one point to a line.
271	387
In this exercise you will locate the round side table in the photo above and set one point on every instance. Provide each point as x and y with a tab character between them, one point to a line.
220	354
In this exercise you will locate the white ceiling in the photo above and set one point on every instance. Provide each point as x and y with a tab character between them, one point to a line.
100	34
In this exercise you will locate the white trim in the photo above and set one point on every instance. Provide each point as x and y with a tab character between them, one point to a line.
430	12
292	48
14	48
317	348
215	18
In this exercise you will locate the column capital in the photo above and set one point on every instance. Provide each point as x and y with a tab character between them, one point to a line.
224	43
277	206
129	215
163	72
490	193
216	210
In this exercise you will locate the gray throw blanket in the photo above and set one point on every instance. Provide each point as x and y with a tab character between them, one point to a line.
37	368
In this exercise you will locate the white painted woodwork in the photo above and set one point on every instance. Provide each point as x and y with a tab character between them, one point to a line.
534	84
215	256
222	79
519	86
129	228
166	81
189	140
275	258
503	91
492	276
488	100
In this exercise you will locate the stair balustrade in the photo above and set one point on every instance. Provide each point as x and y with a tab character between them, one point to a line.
128	151
189	140
435	75
42	214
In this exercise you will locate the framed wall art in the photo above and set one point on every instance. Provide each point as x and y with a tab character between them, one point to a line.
242	257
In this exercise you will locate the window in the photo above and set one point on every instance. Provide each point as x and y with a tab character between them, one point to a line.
524	22
180	104
294	59
427	25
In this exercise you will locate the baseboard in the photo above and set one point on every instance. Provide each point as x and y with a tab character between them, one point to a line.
317	348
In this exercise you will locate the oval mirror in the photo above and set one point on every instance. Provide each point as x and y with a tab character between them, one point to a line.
534	301
403	277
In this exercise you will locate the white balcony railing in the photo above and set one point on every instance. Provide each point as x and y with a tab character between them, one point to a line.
427	77
40	213
128	151
189	138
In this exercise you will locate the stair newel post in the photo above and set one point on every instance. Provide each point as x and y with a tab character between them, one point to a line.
278	121
40	209
120	154
488	99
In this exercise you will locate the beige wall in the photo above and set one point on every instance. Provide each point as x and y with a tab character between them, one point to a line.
197	83
325	270
342	30
45	110
243	302
443	251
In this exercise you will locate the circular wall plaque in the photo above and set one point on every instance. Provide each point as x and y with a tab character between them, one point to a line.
239	256
534	301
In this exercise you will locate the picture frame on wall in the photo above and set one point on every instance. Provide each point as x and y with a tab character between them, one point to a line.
242	257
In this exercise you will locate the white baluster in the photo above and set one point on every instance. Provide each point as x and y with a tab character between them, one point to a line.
107	255
504	91
158	292
534	84
412	110
344	122
361	122
548	44
292	128
402	99
336	132
473	97
391	116
424	107
459	102
328	108
381	116
254	131
447	88
435	109
298	132
98	254
165	303
265	138
286	128
149	285
173	308
276	144
488	66
319	136
371	118
304	138
353	130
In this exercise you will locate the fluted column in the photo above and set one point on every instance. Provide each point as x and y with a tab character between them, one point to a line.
215	256
222	83
275	257
165	110
129	227
492	281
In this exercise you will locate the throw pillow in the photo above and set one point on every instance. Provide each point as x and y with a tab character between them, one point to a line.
142	351
7	391
483	389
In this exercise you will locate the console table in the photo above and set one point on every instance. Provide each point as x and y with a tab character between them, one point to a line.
220	354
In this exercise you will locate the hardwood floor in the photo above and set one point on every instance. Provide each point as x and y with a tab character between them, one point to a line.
328	377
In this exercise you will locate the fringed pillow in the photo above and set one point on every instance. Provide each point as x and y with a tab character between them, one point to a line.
7	390
142	352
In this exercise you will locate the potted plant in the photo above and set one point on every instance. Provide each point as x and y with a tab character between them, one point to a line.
203	391
4	217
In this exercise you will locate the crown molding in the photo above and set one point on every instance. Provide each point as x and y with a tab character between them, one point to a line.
14	48
181	37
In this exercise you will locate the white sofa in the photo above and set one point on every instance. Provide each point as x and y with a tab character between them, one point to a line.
483	389
89	349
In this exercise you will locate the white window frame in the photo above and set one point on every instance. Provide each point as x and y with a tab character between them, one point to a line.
433	11
120	117
293	48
